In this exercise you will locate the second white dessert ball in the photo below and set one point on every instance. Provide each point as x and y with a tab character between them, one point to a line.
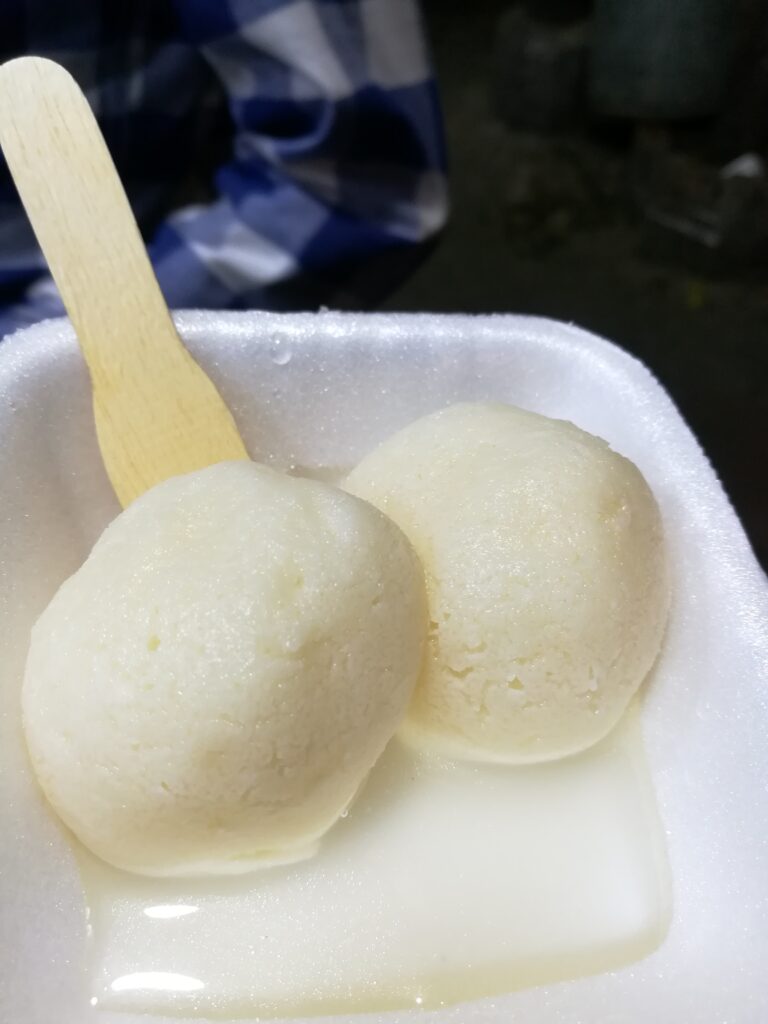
211	687
546	575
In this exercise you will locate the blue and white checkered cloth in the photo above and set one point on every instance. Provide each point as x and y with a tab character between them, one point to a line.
314	124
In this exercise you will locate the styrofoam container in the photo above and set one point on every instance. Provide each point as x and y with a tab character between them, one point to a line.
322	390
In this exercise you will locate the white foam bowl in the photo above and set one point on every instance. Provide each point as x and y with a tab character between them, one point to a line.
321	390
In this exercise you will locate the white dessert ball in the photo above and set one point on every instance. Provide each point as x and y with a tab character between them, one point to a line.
546	577
212	686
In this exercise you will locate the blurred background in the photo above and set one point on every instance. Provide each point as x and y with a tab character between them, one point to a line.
608	167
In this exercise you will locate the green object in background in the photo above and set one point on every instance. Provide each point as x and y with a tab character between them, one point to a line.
661	59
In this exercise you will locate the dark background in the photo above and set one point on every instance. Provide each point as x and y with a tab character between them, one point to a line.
614	211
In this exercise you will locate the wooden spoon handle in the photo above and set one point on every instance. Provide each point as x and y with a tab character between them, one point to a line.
157	413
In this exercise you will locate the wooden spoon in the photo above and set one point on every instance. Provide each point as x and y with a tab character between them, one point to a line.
157	413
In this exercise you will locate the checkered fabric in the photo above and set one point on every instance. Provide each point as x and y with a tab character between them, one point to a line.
270	148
